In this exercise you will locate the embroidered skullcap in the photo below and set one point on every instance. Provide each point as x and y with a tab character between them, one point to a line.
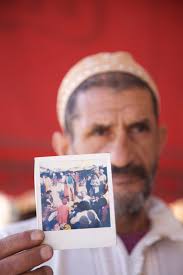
96	64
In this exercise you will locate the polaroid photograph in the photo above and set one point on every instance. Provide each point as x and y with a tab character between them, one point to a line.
74	201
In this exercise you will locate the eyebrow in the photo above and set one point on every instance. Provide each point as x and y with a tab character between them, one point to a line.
142	120
145	121
96	126
102	124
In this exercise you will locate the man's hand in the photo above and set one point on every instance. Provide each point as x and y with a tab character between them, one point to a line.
21	252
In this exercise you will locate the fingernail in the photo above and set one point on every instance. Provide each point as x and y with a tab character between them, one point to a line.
48	270
37	235
46	252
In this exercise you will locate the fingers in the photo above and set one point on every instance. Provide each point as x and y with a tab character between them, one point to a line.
21	252
26	260
45	270
21	241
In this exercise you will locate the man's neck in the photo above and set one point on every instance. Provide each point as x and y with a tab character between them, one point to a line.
132	224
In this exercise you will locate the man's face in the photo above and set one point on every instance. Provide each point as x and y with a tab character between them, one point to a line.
121	123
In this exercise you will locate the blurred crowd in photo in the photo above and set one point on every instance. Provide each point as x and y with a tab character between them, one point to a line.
74	199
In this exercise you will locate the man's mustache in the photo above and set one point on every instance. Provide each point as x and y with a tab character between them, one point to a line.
130	170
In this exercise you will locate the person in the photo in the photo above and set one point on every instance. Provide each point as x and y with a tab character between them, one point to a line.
48	217
76	177
103	181
85	217
55	194
82	196
82	187
66	190
49	198
54	179
47	181
70	185
61	184
107	102
103	212
88	184
95	183
63	212
42	182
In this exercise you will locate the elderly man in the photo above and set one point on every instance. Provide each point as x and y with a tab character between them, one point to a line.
115	105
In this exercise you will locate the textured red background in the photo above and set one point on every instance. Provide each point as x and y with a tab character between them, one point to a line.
40	40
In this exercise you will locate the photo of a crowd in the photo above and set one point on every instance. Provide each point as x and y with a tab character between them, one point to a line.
74	198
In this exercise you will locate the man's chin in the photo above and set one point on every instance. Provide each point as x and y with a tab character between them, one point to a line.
128	204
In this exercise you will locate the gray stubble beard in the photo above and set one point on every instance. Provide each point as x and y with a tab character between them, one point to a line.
131	204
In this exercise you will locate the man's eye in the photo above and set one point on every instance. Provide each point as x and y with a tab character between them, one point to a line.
100	131
140	127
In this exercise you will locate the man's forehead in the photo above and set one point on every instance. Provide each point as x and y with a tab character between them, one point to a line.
105	105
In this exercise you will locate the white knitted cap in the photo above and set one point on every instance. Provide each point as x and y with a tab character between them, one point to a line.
96	64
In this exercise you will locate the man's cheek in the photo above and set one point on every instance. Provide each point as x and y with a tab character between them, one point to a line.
87	146
146	155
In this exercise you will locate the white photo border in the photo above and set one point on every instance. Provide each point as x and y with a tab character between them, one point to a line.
79	238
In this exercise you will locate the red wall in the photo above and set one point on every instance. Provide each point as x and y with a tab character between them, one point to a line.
40	40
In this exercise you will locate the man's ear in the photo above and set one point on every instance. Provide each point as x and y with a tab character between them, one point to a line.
163	133
60	143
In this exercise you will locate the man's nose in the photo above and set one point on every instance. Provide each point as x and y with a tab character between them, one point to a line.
121	150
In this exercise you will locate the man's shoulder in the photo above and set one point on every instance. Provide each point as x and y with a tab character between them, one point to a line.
164	225
17	227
